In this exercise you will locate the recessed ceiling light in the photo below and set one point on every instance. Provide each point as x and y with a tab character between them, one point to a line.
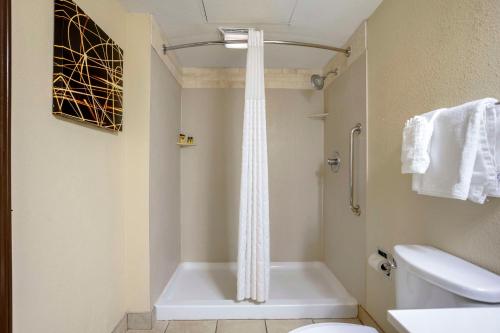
233	36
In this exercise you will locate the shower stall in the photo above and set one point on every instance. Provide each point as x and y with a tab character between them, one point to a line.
297	290
317	246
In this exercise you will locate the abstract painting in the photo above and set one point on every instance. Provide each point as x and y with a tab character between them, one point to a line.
88	70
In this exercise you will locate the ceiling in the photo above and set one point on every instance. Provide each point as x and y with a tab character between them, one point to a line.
329	22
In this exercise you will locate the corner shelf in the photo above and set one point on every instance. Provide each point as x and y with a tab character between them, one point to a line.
320	116
185	144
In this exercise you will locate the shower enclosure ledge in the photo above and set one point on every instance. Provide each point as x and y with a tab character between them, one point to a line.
297	290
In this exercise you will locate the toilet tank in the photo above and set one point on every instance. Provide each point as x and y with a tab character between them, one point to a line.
430	278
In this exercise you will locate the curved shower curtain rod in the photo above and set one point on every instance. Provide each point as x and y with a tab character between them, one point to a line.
346	52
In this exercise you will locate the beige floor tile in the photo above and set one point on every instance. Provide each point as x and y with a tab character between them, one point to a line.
241	326
285	326
192	326
159	327
331	320
139	320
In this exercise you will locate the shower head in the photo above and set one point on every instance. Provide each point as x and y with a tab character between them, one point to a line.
318	81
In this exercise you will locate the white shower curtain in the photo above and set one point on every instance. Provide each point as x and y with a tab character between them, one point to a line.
253	242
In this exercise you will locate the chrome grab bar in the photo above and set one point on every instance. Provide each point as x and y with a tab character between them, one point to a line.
354	207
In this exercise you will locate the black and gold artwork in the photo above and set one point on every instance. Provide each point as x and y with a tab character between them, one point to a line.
88	70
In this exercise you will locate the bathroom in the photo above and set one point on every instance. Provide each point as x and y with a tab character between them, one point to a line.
137	229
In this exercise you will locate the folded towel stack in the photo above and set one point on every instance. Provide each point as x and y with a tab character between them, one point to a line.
452	152
416	138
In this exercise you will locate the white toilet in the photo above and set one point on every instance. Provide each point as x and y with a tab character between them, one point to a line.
429	278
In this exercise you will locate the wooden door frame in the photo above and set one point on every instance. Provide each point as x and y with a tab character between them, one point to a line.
5	172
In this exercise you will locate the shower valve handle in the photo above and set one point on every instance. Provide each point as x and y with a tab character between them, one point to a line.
334	162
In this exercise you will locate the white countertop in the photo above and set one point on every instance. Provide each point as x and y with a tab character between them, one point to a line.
456	320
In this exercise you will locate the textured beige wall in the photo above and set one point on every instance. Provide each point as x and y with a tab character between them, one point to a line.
345	233
424	54
135	166
211	173
164	177
69	230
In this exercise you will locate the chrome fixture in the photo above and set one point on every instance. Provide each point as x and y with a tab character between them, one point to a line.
346	52
354	207
318	81
390	264
334	162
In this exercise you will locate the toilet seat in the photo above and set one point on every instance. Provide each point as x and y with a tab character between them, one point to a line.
334	328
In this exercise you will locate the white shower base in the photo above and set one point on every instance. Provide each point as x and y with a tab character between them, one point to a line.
297	290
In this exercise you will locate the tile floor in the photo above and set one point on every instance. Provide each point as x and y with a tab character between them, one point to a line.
236	326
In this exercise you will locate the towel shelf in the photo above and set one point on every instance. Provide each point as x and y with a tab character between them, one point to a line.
185	144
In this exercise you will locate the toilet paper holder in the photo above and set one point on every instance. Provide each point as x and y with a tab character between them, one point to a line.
390	264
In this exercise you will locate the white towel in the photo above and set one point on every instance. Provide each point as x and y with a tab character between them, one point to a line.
416	137
493	114
484	179
460	156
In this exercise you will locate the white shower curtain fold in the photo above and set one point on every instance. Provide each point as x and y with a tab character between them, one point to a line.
253	242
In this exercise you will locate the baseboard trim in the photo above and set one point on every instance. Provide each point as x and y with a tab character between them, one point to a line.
121	327
366	319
